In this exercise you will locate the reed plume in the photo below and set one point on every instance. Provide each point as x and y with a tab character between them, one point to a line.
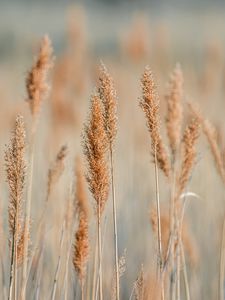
174	109
36	81
16	171
37	88
95	147
190	137
20	246
211	136
81	250
81	244
150	106
108	97
174	125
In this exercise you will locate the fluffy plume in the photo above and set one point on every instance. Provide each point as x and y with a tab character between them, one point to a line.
21	244
108	96
150	105
36	81
189	140
174	108
95	149
81	245
16	170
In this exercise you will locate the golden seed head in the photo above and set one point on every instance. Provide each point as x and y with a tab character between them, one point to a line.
108	96
95	144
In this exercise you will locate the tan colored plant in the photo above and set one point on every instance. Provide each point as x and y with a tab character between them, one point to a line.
150	105
174	109
95	149
81	244
37	88
16	172
108	97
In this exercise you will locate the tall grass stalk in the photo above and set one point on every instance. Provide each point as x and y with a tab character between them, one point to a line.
160	256
115	225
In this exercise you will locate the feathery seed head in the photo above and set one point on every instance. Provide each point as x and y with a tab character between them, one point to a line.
108	96
190	137
150	105
174	108
36	81
81	247
95	146
15	172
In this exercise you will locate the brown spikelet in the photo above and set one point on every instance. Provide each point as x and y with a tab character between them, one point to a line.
108	96
174	109
150	105
16	171
95	148
81	201
57	168
36	81
189	140
81	247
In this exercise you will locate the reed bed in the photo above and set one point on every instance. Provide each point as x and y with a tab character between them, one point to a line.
110	177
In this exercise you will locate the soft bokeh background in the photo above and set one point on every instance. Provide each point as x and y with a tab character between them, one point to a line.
126	36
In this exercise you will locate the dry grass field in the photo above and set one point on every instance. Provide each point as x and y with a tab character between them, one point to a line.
112	154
